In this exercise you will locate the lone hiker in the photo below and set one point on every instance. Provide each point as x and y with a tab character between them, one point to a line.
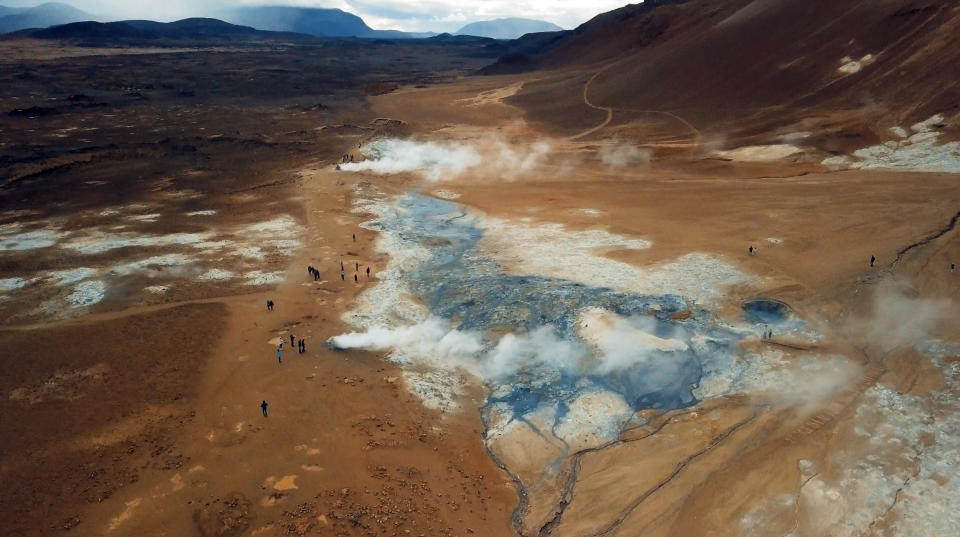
263	407
368	272
953	268
873	259
751	250
354	237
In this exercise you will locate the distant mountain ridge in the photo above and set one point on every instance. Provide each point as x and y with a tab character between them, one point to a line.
510	28
42	16
319	22
312	21
134	31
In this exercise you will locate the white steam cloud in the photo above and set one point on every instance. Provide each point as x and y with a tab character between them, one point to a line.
622	155
625	342
486	157
898	319
435	344
619	342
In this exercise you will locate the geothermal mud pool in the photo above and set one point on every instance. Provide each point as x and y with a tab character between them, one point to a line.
567	364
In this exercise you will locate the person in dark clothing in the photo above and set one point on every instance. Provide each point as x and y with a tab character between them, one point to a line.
873	259
355	278
316	275
343	276
263	407
354	237
368	272
269	305
292	339
356	267
341	265
953	267
303	346
751	250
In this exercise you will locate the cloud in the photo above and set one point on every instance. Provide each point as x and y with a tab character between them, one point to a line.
630	342
898	318
613	344
435	344
487	157
621	155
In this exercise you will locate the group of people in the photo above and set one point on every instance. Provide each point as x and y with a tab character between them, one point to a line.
301	347
301	344
356	271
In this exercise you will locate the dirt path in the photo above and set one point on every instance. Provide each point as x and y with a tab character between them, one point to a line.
697	135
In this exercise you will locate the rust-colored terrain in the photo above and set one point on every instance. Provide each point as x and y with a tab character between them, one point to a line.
688	269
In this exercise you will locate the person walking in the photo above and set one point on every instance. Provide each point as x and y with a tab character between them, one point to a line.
356	267
368	272
280	354
263	407
343	277
269	305
354	237
873	259
751	250
292	339
355	278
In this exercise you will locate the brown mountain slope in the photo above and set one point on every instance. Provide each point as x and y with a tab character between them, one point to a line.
751	68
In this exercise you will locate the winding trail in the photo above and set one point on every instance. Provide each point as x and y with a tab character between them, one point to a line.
586	101
697	135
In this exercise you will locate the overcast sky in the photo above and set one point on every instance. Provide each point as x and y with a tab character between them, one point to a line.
409	15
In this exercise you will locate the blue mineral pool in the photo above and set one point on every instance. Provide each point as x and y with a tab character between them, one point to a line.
465	286
766	311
